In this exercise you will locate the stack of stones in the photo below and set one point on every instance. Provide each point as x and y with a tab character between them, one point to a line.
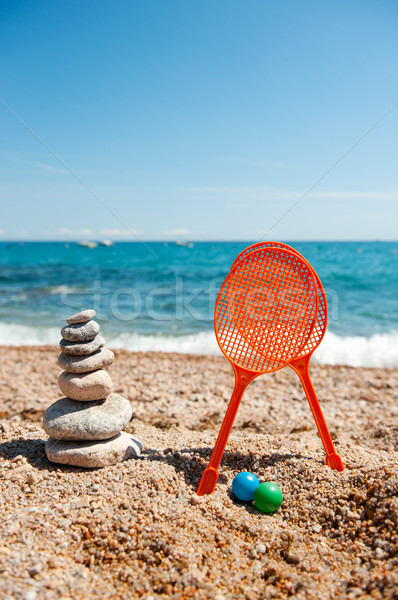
86	426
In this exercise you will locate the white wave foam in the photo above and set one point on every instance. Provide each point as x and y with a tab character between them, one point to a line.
12	334
379	350
18	297
63	289
196	343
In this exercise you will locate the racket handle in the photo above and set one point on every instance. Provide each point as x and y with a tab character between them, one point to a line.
209	477
301	367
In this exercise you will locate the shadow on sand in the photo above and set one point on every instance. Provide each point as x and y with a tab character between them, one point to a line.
189	461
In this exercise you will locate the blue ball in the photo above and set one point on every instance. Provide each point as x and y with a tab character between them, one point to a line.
244	485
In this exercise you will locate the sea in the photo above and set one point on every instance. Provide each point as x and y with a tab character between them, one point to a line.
160	296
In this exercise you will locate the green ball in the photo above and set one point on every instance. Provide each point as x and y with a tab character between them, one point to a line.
268	497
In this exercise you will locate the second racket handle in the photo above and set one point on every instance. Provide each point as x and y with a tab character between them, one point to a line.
301	366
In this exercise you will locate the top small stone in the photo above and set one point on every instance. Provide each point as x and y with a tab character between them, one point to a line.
80	332
81	317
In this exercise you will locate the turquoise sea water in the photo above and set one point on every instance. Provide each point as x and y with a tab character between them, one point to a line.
161	296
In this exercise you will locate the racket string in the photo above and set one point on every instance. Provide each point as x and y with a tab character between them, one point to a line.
321	322
267	310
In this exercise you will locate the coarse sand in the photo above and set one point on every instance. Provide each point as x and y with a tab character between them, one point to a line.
138	529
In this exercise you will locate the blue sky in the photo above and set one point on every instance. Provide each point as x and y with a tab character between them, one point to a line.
206	119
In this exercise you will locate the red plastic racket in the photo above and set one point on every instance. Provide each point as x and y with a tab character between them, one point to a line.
265	313
301	363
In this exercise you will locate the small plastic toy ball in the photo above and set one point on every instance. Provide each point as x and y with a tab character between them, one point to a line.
268	497
244	485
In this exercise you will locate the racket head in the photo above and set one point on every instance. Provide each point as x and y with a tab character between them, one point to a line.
322	318
266	309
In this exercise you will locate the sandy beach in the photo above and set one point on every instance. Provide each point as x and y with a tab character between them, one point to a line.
138	530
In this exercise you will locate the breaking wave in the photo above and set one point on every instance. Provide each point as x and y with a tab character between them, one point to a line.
378	350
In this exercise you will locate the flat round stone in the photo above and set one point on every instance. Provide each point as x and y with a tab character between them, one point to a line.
81	332
83	364
93	454
94	385
68	419
82	349
81	317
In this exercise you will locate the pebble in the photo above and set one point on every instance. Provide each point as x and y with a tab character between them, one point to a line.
195	500
32	479
380	554
18	458
35	570
82	502
94	385
21	469
75	348
83	364
293	559
81	332
98	420
81	317
93	454
14	528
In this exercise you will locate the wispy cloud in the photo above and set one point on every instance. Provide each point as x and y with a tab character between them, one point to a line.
2	232
177	232
120	232
71	233
355	195
63	231
265	193
28	161
89	233
50	168
252	162
10	156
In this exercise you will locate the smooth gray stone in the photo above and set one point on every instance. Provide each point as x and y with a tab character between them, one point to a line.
82	349
93	454
83	364
95	385
81	317
81	332
68	419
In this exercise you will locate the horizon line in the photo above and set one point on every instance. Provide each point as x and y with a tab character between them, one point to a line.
192	240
